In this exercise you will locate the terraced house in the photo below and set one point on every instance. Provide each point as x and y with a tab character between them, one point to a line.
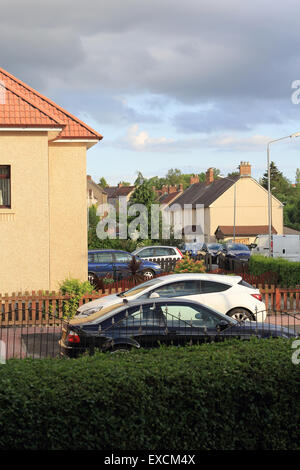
43	187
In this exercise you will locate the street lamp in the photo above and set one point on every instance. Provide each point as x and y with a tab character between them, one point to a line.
296	134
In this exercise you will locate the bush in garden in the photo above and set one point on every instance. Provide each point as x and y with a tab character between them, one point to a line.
75	289
235	395
188	265
287	272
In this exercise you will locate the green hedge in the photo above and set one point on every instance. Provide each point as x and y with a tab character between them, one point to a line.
231	395
288	272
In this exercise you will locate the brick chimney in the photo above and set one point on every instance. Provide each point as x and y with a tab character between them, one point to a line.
209	176
164	189
172	189
194	179
120	185
89	177
181	187
245	169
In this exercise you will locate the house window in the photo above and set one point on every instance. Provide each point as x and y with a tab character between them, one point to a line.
5	198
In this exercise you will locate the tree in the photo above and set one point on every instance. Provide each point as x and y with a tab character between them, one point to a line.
280	185
93	217
233	174
174	177
145	195
298	176
102	182
139	180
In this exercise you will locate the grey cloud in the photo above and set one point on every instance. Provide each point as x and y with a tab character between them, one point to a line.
240	56
236	115
189	51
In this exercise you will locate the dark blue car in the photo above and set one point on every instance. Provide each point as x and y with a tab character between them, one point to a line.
151	322
236	251
115	263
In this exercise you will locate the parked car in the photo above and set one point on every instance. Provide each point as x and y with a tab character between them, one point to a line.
150	322
194	249
229	295
214	249
235	251
158	252
115	263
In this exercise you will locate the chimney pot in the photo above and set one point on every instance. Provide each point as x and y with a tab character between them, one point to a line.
209	177
194	179
245	169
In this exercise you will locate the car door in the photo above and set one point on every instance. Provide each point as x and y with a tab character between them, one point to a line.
215	295
145	324
189	289
187	322
210	293
163	253
146	253
101	263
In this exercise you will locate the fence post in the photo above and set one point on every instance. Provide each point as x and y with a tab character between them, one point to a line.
278	299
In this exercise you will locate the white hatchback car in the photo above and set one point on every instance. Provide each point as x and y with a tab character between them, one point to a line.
229	295
158	252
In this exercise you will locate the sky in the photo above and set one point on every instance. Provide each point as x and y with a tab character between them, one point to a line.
187	85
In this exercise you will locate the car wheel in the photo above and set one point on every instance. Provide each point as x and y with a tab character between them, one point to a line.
148	274
93	280
240	314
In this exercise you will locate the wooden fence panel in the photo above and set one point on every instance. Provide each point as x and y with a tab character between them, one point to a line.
47	308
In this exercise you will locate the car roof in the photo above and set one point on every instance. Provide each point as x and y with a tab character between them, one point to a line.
108	251
154	246
114	309
201	276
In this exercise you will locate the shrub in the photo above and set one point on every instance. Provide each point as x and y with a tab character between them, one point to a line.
75	289
236	395
288	272
188	265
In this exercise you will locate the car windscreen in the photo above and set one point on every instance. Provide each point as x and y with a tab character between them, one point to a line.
239	247
140	288
213	246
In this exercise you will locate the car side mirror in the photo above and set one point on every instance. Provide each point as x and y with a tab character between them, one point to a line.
154	295
253	245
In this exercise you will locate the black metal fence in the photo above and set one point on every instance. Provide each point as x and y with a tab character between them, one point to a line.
30	339
142	328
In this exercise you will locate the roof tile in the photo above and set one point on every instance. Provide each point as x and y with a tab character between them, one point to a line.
24	106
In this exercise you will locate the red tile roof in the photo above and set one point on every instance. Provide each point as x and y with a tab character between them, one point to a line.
25	107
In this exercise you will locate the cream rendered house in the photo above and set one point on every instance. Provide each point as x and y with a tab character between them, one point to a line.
218	196
43	208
